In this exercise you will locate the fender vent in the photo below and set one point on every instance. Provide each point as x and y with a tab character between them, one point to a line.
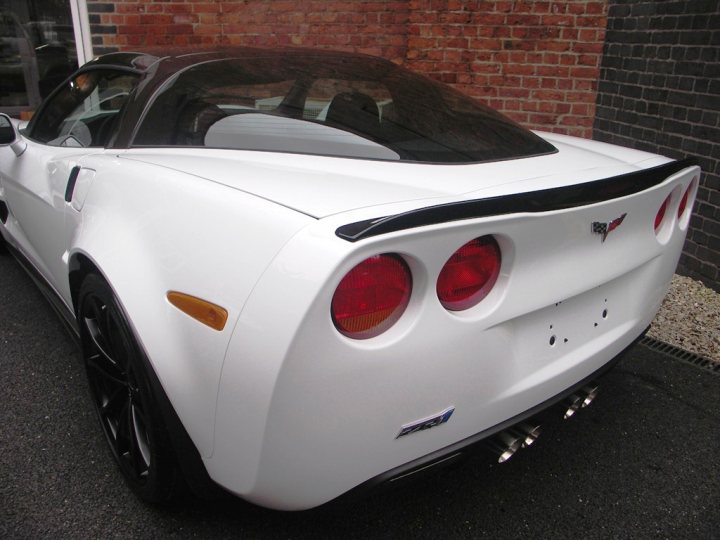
681	354
3	211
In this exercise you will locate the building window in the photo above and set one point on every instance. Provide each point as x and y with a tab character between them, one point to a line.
41	44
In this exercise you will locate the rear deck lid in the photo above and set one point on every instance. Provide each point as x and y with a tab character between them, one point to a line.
320	186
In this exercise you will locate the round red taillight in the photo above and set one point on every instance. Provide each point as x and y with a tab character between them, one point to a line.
661	213
372	296
684	201
469	274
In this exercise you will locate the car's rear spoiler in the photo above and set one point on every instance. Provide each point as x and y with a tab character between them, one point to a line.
544	200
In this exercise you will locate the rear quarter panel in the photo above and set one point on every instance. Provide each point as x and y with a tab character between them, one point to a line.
150	230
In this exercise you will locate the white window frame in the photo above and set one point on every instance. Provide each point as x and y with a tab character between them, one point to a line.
81	28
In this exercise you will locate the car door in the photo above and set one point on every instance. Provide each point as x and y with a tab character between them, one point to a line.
79	119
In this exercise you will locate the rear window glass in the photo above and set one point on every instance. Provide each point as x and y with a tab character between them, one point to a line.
336	106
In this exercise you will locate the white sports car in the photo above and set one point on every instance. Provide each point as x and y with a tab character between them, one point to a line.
298	273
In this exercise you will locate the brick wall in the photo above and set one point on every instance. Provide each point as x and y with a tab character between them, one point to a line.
660	91
377	28
537	61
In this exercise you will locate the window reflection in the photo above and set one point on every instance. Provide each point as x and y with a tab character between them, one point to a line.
37	51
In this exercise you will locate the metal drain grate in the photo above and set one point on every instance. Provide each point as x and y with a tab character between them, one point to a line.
681	354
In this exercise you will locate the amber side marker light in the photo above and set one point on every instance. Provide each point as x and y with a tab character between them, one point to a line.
207	313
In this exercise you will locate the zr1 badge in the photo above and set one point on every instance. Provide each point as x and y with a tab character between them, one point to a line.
426	423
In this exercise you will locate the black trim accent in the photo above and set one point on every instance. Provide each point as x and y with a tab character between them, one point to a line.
66	315
464	448
194	473
4	212
544	200
71	183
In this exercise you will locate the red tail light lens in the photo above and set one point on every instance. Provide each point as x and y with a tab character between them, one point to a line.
683	201
372	296
661	213
469	274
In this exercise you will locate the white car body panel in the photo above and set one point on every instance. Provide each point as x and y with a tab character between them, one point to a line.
321	186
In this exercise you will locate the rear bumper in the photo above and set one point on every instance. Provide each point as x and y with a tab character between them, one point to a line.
473	444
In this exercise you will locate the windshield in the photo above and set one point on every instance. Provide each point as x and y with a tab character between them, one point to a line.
329	105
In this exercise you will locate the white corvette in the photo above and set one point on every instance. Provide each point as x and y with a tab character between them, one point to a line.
295	273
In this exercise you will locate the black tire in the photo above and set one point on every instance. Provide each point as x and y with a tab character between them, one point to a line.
122	394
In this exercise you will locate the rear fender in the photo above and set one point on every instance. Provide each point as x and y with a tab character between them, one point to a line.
151	230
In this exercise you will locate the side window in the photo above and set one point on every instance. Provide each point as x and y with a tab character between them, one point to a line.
85	112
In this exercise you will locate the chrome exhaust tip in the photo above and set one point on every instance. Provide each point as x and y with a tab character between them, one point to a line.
528	432
574	403
591	392
503	445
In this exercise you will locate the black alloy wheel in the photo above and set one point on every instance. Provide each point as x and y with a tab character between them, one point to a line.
122	394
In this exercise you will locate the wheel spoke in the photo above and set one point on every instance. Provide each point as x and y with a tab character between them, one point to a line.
112	405
107	370
115	341
124	420
140	445
100	344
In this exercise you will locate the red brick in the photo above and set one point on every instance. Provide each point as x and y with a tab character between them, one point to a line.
520	69
177	8
523	20
129	8
548	95
547	107
208	29
570	34
206	7
580	72
131	29
593	22
557	20
577	8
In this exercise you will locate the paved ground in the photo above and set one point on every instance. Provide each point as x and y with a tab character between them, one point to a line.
641	462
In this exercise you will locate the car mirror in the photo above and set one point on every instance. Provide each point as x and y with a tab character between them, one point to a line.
9	136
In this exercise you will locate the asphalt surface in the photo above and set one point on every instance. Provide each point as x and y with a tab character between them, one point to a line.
642	461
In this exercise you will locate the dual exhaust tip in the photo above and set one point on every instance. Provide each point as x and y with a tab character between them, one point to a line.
581	399
505	444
